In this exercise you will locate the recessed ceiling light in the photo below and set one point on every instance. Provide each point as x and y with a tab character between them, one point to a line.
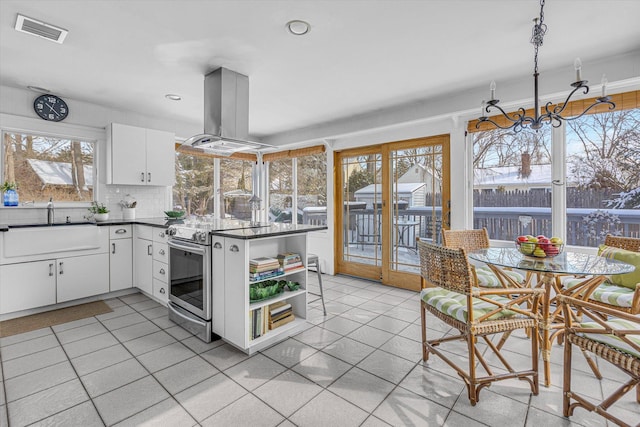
298	27
173	97
38	89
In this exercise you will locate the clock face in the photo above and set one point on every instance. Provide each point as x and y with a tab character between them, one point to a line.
50	107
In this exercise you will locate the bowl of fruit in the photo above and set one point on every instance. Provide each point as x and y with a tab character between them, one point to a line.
539	246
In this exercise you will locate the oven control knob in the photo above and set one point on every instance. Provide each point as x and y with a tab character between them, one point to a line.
202	236
171	231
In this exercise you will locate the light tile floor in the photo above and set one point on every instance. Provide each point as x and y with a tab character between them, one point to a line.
358	366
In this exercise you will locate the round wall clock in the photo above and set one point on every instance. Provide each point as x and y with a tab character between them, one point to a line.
50	107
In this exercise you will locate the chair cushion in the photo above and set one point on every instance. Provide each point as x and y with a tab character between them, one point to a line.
607	293
488	279
454	304
612	340
628	280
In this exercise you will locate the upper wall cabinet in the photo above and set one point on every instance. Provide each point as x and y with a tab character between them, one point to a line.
139	156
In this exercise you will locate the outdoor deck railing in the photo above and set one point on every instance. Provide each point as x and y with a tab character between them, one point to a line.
584	228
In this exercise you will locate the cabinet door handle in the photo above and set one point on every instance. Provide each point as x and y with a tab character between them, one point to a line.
60	265
162	271
162	291
142	177
161	234
149	250
217	245
234	248
113	248
50	269
149	177
121	231
161	252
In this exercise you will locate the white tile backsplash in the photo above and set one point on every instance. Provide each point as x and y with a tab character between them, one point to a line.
152	202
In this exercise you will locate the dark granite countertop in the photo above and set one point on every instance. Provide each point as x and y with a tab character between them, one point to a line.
274	229
153	222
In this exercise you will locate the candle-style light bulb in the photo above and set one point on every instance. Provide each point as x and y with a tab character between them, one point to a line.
492	88
482	106
604	82
577	64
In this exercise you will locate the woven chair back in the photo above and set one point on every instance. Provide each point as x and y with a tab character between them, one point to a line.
445	267
628	243
469	240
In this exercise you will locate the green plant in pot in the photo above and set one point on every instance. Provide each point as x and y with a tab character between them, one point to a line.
99	211
10	195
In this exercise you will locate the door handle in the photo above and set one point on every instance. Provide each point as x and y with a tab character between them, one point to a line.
121	231
149	250
61	270
161	252
113	248
142	177
234	248
217	245
51	269
149	177
161	234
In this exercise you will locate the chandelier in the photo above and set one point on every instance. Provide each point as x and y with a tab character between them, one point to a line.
552	113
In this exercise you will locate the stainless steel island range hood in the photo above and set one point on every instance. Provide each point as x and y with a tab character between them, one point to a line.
226	115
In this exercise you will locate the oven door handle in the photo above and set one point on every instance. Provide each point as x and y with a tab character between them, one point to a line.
196	249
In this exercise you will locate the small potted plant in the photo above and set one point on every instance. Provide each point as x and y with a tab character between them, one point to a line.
10	195
99	211
128	207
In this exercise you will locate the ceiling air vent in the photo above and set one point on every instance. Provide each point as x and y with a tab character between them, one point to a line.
41	29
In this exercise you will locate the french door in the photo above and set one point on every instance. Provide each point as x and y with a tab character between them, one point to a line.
389	195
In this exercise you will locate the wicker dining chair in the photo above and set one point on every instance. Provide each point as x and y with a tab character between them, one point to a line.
612	335
471	240
450	295
611	293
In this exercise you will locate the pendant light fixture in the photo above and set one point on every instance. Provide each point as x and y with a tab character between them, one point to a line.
551	113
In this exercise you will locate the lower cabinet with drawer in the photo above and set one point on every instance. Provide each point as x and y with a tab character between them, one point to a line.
160	265
150	261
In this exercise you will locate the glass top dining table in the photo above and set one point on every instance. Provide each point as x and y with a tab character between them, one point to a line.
593	268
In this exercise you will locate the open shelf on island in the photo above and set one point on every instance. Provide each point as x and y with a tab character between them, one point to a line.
280	297
279	276
274	332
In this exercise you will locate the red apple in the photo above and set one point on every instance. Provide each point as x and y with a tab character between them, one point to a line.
523	239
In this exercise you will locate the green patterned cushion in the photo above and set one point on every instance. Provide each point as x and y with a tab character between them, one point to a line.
488	279
612	340
628	280
455	305
607	293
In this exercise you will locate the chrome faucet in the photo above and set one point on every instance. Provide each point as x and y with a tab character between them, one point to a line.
50	211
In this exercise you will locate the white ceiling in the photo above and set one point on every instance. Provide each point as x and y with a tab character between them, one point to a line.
360	56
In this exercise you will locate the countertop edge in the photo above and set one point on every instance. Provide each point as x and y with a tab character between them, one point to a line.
153	222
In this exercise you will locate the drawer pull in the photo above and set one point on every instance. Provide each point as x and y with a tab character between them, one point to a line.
217	245
121	231
234	248
161	252
162	271
162	291
149	250
161	234
142	177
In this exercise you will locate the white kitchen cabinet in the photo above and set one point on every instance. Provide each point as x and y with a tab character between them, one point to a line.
27	285
217	285
120	257
82	276
139	156
143	259
237	307
160	265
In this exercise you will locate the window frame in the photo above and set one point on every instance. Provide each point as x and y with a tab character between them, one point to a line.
26	125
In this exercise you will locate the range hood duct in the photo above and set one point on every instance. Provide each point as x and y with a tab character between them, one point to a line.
226	115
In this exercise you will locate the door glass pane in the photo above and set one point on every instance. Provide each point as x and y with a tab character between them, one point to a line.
362	207
312	189
281	192
603	177
193	191
512	182
416	193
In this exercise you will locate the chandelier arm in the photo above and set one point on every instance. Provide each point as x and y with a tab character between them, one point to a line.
516	125
559	108
518	116
599	101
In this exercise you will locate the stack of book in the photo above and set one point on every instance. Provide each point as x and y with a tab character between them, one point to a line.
280	314
264	267
290	261
258	319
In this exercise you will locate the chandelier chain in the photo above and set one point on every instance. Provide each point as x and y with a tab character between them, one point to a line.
539	30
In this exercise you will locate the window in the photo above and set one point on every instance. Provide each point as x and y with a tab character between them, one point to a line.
43	166
195	188
600	186
512	182
281	191
312	188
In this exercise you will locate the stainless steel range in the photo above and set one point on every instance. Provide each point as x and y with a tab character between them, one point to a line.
190	296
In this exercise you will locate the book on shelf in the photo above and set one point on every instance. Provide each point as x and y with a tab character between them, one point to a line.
265	274
293	266
259	320
263	260
282	315
288	258
281	322
279	309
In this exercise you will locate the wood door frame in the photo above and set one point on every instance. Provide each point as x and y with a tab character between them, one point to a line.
384	273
